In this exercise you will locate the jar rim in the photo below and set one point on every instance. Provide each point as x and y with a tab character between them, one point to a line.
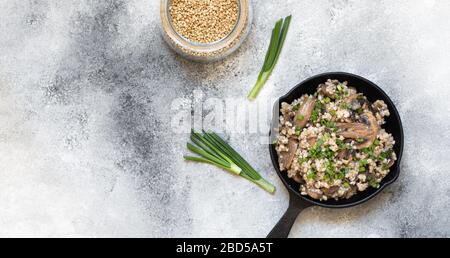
200	47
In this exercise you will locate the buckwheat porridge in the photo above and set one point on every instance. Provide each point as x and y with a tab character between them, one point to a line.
333	143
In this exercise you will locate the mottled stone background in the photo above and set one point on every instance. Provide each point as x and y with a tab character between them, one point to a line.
85	142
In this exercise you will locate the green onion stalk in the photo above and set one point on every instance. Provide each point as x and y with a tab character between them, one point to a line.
213	150
277	40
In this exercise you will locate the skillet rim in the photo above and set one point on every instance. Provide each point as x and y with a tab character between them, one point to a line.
400	142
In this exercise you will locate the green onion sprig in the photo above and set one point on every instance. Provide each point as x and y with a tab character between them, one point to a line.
213	150
279	33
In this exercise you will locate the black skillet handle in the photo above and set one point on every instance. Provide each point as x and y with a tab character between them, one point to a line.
284	225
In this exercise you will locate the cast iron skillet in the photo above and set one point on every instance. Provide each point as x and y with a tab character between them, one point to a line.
298	202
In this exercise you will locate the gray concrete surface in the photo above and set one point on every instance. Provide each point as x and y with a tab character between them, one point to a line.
86	147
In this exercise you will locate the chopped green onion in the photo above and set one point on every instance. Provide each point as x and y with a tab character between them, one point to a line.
314	116
328	124
215	151
320	141
311	175
328	153
330	170
376	142
385	155
279	33
373	183
315	152
360	140
302	160
345	105
300	117
340	143
363	162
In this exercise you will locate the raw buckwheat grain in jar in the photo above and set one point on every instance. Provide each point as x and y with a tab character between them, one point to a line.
205	30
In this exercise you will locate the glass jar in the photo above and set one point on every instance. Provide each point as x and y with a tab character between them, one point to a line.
207	52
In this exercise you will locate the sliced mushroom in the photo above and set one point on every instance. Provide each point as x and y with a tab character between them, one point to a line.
391	161
369	119
330	191
352	130
297	178
315	193
286	157
292	111
304	112
355	101
345	155
367	105
311	141
366	131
